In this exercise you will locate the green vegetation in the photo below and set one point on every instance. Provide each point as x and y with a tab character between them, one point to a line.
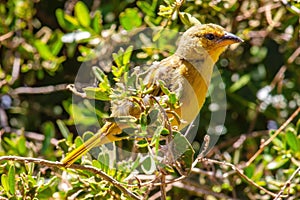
43	44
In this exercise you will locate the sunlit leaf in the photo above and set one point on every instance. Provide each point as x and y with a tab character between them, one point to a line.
244	80
43	50
130	19
292	140
97	22
4	182
96	93
12	180
63	128
82	14
278	162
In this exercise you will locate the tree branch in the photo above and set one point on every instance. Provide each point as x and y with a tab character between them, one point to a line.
39	90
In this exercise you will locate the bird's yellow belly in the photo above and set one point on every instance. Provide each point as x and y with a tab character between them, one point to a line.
192	99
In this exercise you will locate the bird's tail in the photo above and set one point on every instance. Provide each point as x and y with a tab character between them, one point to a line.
105	135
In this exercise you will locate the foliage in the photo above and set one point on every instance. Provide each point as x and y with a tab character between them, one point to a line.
43	43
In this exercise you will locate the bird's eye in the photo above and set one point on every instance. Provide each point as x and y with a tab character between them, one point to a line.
209	36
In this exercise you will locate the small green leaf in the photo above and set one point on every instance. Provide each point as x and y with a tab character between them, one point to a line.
148	9
188	19
127	55
130	19
12	180
148	165
143	121
78	141
278	162
43	50
73	21
292	140
101	76
60	16
97	93
244	80
97	22
250	170
142	143
118	58
22	150
49	132
164	89
63	128
4	182
183	152
82	14
165	11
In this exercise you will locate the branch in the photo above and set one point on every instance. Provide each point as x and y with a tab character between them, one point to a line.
288	182
39	90
73	166
266	143
241	174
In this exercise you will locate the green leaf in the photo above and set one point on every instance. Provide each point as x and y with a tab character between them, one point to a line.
82	14
277	163
292	140
250	170
96	93
240	83
188	19
148	165
118	58
127	55
143	122
148	9
97	22
183	152
73	21
4	182
142	143
63	128
78	141
22	150
57	45
49	132
165	11
103	158
130	19
43	50
101	76
12	180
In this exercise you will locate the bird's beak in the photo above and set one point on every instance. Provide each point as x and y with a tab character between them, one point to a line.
229	38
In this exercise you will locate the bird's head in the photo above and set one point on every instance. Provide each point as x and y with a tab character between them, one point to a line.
209	39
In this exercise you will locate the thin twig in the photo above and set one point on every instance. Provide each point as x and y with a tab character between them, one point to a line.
72	88
16	68
6	36
3	118
158	194
287	183
39	90
57	164
241	174
294	55
266	143
163	192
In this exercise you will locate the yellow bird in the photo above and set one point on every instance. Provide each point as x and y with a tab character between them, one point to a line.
187	72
